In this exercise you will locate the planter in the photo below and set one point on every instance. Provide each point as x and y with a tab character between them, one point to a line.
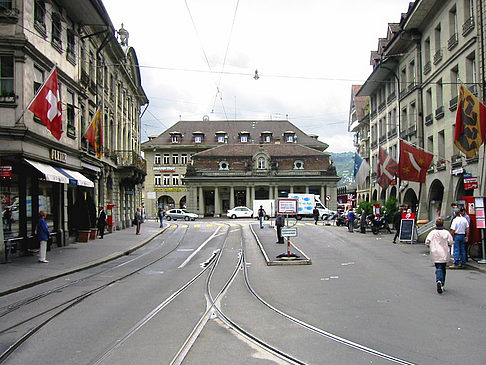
93	234
83	235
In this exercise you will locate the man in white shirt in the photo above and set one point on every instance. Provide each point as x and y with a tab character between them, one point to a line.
460	233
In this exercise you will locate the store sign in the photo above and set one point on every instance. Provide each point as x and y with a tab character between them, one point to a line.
470	183
5	171
169	189
164	169
457	171
58	155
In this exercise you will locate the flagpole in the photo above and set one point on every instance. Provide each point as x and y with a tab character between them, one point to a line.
36	93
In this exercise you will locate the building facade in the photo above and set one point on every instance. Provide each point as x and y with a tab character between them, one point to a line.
212	166
96	69
413	89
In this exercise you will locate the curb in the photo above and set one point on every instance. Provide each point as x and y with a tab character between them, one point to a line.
79	268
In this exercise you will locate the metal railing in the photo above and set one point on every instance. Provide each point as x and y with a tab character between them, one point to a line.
130	158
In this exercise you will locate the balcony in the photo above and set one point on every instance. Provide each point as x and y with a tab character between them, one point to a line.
427	67
7	97
441	165
412	130
374	144
381	107
438	56
431	168
9	13
468	26
391	97
456	160
429	119
411	86
403	133
453	41
84	78
474	89
373	114
382	139
474	159
132	166
453	103
439	112
392	133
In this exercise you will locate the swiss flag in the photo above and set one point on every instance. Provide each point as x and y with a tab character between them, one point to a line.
47	105
414	163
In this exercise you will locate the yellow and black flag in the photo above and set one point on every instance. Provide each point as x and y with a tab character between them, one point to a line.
470	128
94	134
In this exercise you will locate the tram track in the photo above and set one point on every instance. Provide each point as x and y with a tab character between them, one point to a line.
70	303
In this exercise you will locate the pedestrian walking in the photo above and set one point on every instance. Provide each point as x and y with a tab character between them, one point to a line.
351	218
279	223
138	220
261	216
439	241
101	221
397	221
315	214
460	233
160	214
43	236
465	215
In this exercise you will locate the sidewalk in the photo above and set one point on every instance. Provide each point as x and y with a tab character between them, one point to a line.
24	272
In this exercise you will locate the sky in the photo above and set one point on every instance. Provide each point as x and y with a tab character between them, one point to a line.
198	58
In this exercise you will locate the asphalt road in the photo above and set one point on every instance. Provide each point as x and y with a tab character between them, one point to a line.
366	300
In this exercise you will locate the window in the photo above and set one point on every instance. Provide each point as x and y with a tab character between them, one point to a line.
298	165
71	47
428	102
166	159
184	159
166	179
268	138
220	138
439	98
411	74
6	76
175	139
427	51
56	31
430	144
453	21
39	16
262	163
158	180
290	138
224	165
197	139
244	139
71	126
175	158
471	76
454	81
157	159
175	179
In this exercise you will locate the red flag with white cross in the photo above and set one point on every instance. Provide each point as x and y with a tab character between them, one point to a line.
47	105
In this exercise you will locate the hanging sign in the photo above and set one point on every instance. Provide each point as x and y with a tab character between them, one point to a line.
470	183
5	171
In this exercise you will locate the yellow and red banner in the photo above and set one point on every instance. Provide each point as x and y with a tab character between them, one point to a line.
94	134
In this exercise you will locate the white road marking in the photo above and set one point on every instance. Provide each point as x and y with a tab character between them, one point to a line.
199	248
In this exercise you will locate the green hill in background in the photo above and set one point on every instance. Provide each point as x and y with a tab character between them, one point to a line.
344	163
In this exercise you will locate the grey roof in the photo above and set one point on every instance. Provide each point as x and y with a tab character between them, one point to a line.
233	128
274	150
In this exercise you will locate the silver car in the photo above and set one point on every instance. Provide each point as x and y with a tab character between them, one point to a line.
176	214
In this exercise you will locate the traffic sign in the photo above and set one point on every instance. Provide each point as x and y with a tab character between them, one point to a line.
287	206
289	232
328	198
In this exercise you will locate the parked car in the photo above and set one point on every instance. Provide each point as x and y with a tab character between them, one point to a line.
240	212
176	214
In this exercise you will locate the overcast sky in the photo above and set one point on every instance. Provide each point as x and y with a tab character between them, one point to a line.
198	57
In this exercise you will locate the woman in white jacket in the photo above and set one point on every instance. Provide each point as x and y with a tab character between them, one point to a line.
439	241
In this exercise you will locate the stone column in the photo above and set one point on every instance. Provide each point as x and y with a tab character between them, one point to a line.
217	208
276	192
291	189
252	189
248	197
201	201
323	196
307	189
232	197
270	192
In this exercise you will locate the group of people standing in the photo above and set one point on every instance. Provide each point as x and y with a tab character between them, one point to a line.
440	240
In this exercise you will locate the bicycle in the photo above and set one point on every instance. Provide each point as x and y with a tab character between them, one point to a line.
475	250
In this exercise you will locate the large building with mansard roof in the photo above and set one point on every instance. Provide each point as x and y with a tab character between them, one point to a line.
212	166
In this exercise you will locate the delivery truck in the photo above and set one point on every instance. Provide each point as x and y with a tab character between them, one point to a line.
306	204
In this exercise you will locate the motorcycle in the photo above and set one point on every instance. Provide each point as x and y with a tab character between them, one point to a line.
377	224
341	220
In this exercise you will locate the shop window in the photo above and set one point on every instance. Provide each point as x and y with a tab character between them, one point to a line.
45	202
9	197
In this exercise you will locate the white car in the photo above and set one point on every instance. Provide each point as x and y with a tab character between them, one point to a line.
175	214
239	212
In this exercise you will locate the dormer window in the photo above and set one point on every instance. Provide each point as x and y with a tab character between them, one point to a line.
298	165
224	165
222	137
244	136
289	136
198	136
175	137
266	137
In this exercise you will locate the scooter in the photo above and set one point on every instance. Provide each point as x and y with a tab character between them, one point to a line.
377	224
